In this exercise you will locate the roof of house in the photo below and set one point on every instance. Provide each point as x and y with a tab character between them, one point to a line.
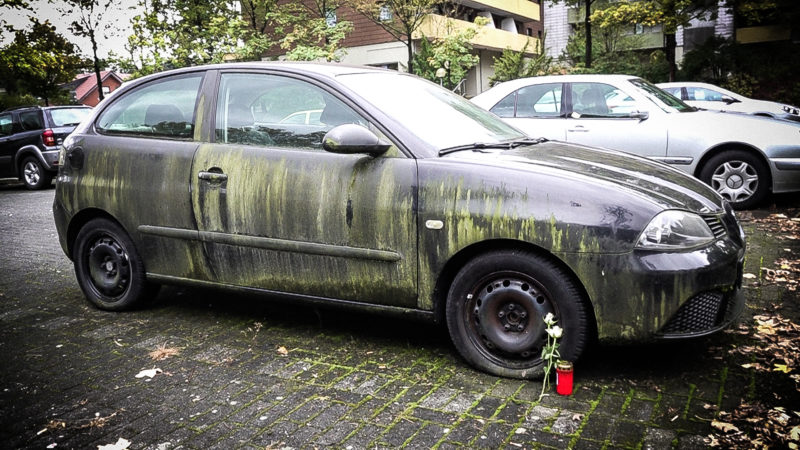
87	82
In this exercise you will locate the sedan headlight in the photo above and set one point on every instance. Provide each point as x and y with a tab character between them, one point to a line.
675	230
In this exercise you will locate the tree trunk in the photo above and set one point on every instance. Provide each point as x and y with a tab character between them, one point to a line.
669	48
588	27
410	46
100	95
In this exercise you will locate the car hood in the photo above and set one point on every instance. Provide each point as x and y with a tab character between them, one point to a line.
649	181
717	127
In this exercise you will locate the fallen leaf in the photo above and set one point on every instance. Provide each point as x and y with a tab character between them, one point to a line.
748	276
723	426
782	368
282	351
577	417
163	352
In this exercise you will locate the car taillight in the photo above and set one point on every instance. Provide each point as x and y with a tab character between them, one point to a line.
49	138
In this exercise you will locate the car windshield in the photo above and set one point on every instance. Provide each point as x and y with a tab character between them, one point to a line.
68	116
663	99
432	113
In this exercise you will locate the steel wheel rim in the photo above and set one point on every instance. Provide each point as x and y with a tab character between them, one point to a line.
31	173
109	266
736	181
504	318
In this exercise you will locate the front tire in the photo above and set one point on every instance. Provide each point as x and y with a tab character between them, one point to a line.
34	174
108	267
496	308
738	176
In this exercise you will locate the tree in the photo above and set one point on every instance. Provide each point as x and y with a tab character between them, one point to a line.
39	60
179	33
671	14
316	32
514	64
587	25
400	18
450	56
92	23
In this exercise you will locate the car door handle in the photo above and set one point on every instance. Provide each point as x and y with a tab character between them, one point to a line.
578	129
213	175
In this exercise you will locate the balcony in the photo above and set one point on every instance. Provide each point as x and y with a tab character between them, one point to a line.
522	10
438	27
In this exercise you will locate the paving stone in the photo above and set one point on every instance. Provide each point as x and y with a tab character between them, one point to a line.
357	381
658	438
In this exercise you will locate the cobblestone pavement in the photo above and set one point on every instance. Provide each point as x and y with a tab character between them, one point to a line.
253	373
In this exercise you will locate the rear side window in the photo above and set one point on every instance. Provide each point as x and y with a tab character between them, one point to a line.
163	108
6	125
31	120
541	100
68	117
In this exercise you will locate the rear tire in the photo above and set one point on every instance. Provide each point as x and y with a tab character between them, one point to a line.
108	268
495	311
34	175
738	176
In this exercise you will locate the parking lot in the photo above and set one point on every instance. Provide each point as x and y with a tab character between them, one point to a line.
204	369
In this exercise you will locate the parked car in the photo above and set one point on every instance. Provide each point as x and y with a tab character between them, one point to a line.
406	199
742	157
708	96
30	138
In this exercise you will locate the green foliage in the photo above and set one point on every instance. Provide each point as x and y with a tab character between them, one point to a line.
512	64
406	16
451	56
312	36
615	51
180	33
769	71
670	14
38	61
14	100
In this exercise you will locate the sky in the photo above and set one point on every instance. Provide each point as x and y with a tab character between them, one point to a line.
120	14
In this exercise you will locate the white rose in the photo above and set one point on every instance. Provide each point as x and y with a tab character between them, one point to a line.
555	332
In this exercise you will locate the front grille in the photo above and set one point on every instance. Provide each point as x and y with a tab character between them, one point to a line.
715	223
702	312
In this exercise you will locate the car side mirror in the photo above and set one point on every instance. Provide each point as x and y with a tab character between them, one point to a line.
351	138
641	115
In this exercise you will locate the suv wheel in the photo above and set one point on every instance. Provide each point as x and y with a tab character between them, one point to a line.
34	175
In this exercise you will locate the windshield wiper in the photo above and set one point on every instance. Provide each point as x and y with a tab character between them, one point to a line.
478	146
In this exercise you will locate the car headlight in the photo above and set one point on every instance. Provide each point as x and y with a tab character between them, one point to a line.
675	230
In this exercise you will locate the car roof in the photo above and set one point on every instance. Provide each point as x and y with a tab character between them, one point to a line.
325	69
32	107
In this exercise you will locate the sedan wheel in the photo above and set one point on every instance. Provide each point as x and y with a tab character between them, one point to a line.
108	267
496	309
737	176
33	174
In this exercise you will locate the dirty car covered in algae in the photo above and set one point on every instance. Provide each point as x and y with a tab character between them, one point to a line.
401	198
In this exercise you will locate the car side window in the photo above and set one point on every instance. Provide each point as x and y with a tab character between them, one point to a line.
277	111
541	100
163	108
31	120
505	107
6	124
703	95
674	91
600	100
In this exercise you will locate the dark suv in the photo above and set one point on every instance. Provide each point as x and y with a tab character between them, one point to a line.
30	138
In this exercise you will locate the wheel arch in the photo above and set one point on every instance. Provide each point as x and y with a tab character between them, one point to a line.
82	218
714	151
457	262
24	153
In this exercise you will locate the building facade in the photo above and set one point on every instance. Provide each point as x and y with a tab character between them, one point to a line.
512	24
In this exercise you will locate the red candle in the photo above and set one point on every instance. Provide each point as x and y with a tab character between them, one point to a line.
564	378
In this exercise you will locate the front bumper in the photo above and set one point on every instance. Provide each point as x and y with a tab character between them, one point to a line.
647	295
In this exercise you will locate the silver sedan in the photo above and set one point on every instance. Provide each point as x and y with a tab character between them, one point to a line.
742	157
